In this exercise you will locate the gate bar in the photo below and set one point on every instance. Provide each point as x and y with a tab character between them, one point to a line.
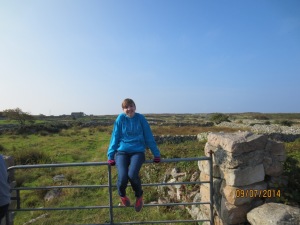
110	186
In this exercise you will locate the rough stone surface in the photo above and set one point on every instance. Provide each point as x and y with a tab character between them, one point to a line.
240	162
237	143
52	194
272	167
228	160
232	214
175	139
59	178
273	214
237	196
246	176
204	167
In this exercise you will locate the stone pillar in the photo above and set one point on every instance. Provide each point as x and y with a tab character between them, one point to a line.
244	166
10	162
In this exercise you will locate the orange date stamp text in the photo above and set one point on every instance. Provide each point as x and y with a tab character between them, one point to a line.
257	193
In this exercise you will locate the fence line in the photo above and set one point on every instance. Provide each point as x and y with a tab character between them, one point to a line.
110	187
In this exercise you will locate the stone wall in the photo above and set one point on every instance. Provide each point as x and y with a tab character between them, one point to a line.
274	131
245	167
174	139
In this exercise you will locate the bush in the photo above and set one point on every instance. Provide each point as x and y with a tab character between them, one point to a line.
292	171
284	122
24	157
2	148
44	133
260	117
217	118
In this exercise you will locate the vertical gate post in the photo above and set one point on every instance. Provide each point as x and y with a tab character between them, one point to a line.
110	195
211	188
18	199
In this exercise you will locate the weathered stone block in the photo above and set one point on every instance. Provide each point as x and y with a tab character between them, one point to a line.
275	148
204	213
272	167
199	212
237	142
217	196
228	160
242	195
232	214
204	178
217	220
274	157
246	176
205	193
204	168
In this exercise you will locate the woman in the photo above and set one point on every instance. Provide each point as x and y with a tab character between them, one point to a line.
4	189
130	137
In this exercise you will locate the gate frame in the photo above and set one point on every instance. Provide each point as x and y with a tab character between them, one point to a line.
110	186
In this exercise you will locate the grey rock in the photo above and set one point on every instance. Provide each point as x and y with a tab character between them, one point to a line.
274	214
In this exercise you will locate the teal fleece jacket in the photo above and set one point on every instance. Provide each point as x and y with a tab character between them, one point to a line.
131	135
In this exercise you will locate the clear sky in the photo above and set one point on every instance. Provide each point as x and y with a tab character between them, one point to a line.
169	56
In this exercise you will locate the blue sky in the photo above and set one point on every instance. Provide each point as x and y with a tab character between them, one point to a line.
169	56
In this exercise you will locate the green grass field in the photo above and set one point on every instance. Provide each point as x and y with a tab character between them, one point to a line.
90	145
84	145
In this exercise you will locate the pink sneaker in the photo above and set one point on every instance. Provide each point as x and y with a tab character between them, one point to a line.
125	201
139	204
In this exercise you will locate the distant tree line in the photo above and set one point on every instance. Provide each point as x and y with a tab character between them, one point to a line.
17	114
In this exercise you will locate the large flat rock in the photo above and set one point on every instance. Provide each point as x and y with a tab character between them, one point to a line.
273	214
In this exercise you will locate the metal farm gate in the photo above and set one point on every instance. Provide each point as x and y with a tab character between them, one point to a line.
110	187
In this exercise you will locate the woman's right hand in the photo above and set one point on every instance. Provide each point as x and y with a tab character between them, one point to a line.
111	162
156	159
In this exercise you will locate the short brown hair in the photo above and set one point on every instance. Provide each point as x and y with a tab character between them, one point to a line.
127	102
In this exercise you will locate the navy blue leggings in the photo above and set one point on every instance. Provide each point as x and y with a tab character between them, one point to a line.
3	211
128	166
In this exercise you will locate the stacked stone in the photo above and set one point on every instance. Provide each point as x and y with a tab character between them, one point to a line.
241	162
174	139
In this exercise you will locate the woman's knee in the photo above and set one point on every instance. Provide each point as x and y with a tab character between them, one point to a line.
134	178
123	180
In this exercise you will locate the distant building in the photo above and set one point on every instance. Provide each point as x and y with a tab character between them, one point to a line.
76	115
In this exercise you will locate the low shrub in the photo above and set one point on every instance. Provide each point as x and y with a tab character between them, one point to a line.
260	117
30	156
2	149
284	122
292	171
219	118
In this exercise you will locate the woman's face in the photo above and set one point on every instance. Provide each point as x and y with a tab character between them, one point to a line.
129	110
